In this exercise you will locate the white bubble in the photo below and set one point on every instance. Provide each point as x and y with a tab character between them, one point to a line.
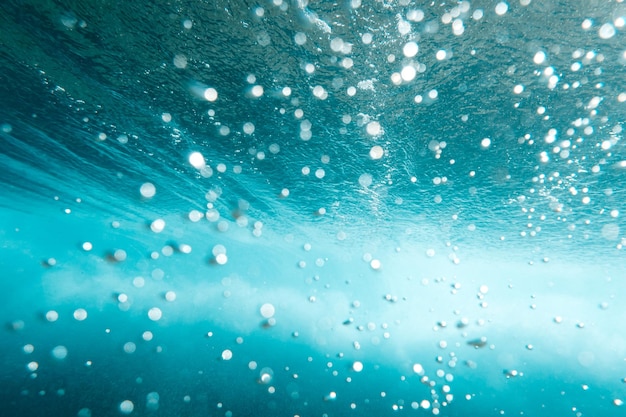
376	152
539	58
485	143
221	258
80	314
52	316
375	264
373	128
248	128
410	49
127	407
606	31
257	91
267	310
170	296
357	366
147	190
418	369
501	8
157	226
155	314
408	73
210	94
87	246
227	354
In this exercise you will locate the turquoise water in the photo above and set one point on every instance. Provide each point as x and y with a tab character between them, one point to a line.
312	209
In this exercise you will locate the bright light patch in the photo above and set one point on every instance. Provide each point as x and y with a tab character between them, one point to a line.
408	73
197	160
227	355
410	49
357	366
485	143
539	58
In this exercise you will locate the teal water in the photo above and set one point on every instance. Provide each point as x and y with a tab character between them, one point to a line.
296	208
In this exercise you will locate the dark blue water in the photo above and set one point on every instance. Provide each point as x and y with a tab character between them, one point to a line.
312	209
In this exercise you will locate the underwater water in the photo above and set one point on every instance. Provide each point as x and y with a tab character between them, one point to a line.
312	209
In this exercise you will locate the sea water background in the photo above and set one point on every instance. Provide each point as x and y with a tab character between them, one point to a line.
364	218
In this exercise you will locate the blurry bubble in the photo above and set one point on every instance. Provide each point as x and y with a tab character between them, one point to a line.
170	296
221	259
408	73
119	255
375	264
248	128
410	49
130	347
606	31
28	348
155	314
501	8
180	61
147	336
376	152
539	58
365	180
126	407
80	314
267	310
52	316
157	226
152	401
32	366
610	231
87	246
357	366
373	128
210	94
418	369
227	355
59	352
84	412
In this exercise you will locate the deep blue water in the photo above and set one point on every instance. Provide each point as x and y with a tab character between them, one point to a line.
217	208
